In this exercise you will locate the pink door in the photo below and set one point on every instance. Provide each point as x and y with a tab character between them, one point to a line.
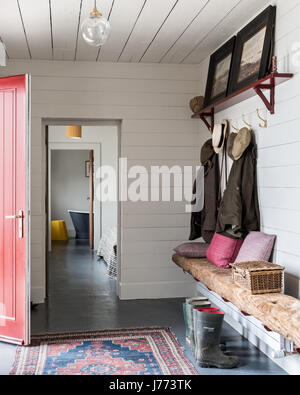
14	270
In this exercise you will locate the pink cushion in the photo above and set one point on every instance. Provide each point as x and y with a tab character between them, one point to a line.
223	250
192	250
257	247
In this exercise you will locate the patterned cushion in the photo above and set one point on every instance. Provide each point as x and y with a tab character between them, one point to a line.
257	247
192	250
223	251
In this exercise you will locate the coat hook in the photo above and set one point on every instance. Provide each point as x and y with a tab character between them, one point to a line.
246	123
233	127
265	121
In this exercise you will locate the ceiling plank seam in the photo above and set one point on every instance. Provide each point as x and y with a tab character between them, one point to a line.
132	30
208	34
108	18
156	34
51	29
78	29
26	38
191	22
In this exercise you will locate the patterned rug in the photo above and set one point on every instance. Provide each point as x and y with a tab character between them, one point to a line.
146	351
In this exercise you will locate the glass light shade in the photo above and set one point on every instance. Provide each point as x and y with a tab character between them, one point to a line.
95	30
74	132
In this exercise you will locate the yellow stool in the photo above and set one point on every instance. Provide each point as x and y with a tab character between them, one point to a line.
59	231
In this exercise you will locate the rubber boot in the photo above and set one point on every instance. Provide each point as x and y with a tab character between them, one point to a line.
188	318
207	329
223	346
190	306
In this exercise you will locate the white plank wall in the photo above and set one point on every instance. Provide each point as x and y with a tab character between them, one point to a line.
152	102
278	147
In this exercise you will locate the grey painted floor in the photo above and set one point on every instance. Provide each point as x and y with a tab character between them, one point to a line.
83	298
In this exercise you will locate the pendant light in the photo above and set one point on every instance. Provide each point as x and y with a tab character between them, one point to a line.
95	29
74	132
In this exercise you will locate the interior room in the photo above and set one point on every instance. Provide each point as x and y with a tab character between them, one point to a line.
70	193
149	187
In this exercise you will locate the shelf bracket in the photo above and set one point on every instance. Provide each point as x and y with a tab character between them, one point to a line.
270	104
211	115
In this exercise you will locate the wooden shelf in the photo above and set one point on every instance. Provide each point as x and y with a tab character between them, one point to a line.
268	83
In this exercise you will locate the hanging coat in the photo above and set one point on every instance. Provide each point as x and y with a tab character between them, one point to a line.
203	224
239	209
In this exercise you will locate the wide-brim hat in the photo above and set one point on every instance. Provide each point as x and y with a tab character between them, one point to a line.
219	136
230	144
197	104
207	152
241	143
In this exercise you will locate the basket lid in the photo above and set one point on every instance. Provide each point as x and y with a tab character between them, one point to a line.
256	266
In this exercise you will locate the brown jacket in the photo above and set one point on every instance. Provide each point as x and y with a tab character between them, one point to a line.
203	224
239	210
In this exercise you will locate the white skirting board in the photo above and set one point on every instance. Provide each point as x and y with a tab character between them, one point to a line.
275	346
38	295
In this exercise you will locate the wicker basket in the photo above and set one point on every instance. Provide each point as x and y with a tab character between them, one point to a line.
259	277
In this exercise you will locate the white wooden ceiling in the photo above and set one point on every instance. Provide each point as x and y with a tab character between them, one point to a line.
152	31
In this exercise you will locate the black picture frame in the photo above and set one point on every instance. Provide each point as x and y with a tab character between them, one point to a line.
221	55
260	33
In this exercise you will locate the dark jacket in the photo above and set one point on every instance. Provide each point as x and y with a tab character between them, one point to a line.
203	224
239	209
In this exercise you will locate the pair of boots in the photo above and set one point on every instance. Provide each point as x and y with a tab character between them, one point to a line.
203	332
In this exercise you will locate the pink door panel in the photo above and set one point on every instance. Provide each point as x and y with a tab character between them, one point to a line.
14	303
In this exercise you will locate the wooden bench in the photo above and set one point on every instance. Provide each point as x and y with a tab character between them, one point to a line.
277	312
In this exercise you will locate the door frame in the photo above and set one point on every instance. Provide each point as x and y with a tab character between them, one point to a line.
47	122
27	226
75	146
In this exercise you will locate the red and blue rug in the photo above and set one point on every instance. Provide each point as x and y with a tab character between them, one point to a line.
147	351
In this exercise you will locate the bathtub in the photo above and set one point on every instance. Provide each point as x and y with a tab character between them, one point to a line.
81	222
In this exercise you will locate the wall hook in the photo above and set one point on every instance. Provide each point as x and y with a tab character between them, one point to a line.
246	123
265	121
233	127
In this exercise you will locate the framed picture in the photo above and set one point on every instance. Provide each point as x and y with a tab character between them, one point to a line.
87	168
219	73
253	51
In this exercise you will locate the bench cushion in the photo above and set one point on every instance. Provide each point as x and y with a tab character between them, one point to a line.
280	313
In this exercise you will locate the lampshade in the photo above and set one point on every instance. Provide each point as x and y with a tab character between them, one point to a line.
95	29
74	132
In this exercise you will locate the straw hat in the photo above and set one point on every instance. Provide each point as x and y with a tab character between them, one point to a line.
197	104
241	143
230	144
219	136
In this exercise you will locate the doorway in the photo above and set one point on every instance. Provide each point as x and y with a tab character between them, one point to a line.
72	185
77	276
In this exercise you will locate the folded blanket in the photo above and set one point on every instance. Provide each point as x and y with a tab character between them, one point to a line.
107	250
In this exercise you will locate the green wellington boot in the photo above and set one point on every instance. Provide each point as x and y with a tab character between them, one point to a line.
207	329
188	318
190	305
